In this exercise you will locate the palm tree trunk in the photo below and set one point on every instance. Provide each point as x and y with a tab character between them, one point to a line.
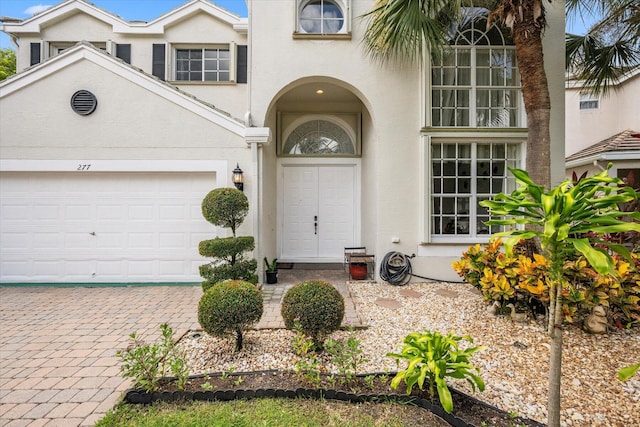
527	37
555	359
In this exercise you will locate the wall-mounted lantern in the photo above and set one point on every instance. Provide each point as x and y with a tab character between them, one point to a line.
238	181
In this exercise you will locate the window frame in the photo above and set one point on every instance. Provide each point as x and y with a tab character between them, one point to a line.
344	32
588	101
427	177
56	48
288	122
473	88
230	48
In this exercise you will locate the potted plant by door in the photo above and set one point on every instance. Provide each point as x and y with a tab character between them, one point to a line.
271	270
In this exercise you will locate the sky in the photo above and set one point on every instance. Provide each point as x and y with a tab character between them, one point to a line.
129	10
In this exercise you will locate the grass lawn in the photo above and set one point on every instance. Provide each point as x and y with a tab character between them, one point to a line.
270	412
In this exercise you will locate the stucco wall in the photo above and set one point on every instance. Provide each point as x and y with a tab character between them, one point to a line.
199	30
619	111
130	122
390	101
391	156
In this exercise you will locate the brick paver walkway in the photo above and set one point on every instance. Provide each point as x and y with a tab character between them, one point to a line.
57	345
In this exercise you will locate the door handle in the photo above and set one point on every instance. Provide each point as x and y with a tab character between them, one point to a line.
315	224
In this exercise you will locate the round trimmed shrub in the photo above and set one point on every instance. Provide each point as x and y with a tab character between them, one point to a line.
230	307
225	207
317	306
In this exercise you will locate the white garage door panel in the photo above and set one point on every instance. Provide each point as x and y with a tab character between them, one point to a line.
102	227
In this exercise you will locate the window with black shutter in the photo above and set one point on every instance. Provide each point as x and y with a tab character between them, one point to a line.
35	54
241	69
158	66
123	51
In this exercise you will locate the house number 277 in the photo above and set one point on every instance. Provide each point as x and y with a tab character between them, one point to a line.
82	167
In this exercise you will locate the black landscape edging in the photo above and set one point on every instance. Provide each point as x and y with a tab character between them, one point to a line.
139	396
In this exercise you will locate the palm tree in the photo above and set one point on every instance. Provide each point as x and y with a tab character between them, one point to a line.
611	46
401	30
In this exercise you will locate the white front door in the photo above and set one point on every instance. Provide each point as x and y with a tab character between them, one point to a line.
318	212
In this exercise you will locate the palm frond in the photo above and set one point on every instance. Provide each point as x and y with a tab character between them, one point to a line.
400	30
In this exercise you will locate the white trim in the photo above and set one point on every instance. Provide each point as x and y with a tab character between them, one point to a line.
106	61
570	83
446	250
607	156
310	161
158	26
220	167
425	188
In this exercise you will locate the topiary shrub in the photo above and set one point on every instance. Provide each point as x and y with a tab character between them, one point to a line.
316	306
227	207
230	307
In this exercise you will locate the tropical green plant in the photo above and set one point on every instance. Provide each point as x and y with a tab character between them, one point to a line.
610	48
346	354
227	207
271	266
308	363
147	364
402	30
521	278
229	308
566	219
431	357
627	372
317	306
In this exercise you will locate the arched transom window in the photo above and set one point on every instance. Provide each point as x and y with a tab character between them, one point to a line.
319	137
476	82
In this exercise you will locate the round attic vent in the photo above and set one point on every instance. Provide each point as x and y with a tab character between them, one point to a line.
83	102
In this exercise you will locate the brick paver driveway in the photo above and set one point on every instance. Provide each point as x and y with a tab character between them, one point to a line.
57	347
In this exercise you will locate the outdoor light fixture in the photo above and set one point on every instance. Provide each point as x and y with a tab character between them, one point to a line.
237	178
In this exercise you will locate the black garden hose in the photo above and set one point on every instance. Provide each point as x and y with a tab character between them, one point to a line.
395	268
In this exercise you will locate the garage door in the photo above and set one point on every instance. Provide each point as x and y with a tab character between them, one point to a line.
102	227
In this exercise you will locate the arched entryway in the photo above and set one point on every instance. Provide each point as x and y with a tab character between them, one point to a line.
318	165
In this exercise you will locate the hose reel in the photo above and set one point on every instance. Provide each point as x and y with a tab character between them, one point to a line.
395	268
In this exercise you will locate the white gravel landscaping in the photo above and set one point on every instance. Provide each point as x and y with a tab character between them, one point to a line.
514	367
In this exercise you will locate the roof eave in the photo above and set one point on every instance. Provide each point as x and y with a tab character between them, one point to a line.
610	156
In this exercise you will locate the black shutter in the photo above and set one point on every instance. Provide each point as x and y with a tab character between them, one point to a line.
241	66
123	51
158	68
35	53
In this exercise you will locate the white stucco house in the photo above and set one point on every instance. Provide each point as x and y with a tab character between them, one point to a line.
603	129
112	132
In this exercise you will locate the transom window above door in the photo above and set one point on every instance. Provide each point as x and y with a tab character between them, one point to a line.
476	82
318	137
321	16
203	65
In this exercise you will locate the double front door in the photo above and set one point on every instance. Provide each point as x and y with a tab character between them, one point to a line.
318	212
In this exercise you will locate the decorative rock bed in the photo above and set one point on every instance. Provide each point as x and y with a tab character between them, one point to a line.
514	368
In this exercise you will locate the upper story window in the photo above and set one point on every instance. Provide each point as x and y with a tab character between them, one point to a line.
322	17
202	65
589	101
476	83
56	48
